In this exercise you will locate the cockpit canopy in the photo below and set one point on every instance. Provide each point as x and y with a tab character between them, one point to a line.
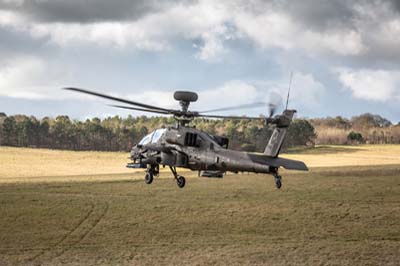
153	137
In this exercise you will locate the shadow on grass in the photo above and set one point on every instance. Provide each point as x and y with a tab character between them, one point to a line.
322	150
348	171
358	171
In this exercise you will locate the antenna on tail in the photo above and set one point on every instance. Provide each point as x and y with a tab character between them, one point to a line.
288	94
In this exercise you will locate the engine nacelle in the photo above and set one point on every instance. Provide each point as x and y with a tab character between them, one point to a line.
222	141
182	139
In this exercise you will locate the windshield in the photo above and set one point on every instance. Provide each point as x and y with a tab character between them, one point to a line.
153	137
146	139
157	135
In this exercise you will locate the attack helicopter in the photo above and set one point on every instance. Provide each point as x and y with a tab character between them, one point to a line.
184	146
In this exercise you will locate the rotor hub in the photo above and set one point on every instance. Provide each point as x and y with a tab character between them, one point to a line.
185	98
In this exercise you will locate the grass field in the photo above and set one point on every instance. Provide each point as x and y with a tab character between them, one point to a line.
99	213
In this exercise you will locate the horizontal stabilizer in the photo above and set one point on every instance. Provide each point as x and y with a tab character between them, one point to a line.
290	164
278	162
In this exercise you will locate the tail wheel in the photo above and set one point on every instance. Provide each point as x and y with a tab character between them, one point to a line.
180	181
278	181
148	178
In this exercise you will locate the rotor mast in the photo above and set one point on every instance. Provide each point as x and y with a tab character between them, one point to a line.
184	98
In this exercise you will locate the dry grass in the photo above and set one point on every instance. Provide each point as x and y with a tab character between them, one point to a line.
335	155
40	165
43	165
23	162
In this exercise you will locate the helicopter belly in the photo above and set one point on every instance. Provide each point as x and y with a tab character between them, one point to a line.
234	161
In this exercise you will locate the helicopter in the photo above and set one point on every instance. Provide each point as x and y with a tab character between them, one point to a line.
185	146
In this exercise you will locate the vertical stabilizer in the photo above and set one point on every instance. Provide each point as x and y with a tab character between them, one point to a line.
281	123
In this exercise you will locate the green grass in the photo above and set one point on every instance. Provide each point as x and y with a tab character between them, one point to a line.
329	216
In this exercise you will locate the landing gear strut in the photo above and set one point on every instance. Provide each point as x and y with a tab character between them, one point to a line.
180	180
151	171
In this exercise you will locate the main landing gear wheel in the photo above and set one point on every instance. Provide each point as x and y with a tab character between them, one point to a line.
278	181
180	181
148	178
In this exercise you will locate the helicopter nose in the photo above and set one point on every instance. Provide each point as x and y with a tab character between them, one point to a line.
134	151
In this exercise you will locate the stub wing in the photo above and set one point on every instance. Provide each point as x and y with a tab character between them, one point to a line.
279	162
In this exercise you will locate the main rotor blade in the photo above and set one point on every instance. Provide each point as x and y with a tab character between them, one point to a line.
237	107
140	109
120	100
233	117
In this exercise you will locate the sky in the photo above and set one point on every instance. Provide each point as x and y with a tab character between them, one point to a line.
344	55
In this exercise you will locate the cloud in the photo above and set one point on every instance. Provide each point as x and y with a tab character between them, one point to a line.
371	85
272	29
231	93
155	97
307	92
331	27
33	78
213	43
322	15
29	78
153	32
88	11
37	79
108	34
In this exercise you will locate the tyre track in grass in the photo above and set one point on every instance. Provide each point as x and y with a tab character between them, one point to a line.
58	243
97	218
78	233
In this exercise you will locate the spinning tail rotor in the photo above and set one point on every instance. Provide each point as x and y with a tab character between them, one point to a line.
288	94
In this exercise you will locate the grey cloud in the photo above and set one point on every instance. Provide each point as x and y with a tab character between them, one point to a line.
14	44
321	15
396	5
318	16
86	11
330	14
343	15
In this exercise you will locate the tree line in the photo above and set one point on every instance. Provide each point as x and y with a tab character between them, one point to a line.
120	134
365	128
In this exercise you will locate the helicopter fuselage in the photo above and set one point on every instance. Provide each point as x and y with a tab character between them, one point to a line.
188	147
191	148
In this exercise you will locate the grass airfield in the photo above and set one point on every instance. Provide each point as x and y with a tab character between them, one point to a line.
84	208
